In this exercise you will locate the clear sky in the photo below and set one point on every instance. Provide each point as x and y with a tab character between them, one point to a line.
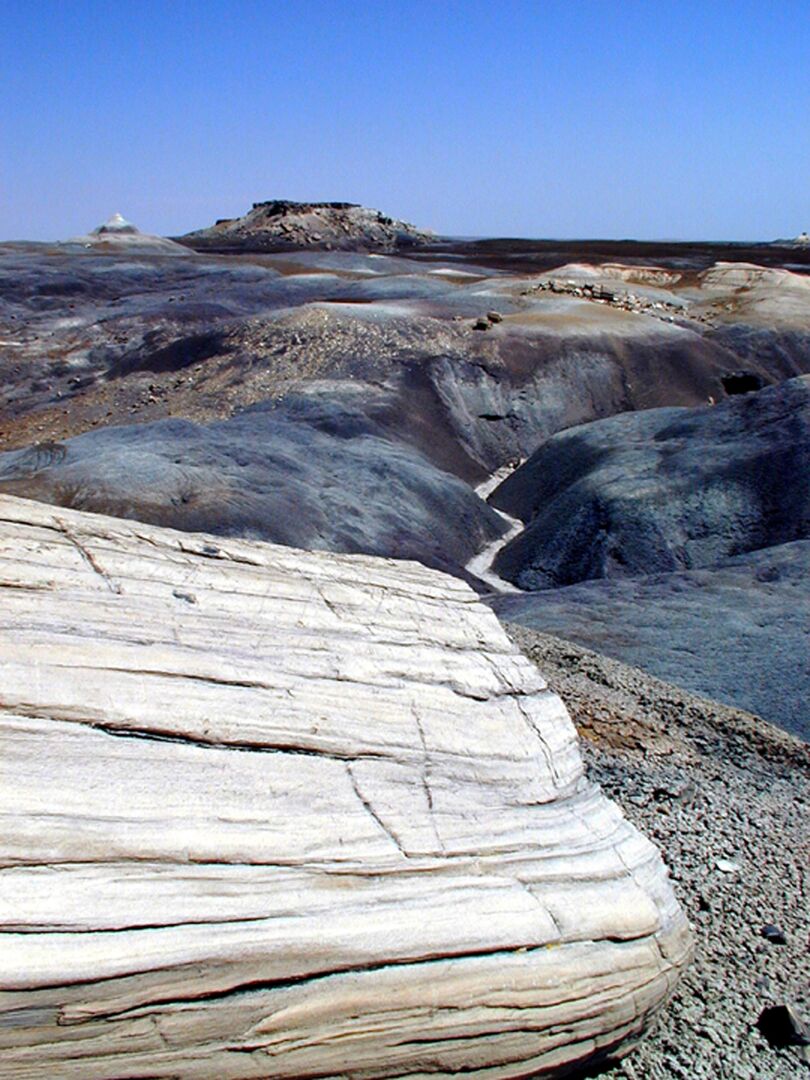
558	118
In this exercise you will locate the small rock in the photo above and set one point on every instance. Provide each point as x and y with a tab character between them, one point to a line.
189	598
481	324
494	316
687	793
727	866
782	1026
773	934
662	793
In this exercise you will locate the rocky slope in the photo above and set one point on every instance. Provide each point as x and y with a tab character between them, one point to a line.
275	813
726	797
93	341
281	224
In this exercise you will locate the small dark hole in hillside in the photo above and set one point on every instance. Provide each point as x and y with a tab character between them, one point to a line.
742	382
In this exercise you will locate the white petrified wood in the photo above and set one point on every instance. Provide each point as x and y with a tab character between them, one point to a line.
273	813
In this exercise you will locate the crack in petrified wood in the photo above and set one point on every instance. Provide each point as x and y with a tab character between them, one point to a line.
88	556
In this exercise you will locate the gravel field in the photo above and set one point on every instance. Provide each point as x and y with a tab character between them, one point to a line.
726	798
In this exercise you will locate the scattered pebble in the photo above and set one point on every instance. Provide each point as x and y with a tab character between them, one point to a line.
773	934
728	866
782	1026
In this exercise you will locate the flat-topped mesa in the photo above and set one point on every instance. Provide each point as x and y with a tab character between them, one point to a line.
284	224
273	207
276	813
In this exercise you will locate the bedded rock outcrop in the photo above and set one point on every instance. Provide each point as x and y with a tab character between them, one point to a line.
269	813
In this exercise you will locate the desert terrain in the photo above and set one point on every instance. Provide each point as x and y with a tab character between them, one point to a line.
352	401
607	444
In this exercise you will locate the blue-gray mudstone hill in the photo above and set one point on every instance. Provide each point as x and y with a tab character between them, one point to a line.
662	490
677	540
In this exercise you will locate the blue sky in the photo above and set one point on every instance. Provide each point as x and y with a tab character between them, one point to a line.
562	119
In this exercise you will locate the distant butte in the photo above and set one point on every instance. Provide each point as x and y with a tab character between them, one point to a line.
282	224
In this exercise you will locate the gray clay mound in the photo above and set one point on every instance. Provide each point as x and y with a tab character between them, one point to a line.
662	490
314	474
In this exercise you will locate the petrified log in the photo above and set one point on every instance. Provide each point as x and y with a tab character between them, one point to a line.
274	813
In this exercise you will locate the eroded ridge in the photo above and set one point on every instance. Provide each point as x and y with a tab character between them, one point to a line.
274	813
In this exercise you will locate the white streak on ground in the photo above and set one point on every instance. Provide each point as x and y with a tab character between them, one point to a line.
481	564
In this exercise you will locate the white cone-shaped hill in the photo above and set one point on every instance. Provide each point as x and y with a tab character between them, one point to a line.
118	225
117	235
